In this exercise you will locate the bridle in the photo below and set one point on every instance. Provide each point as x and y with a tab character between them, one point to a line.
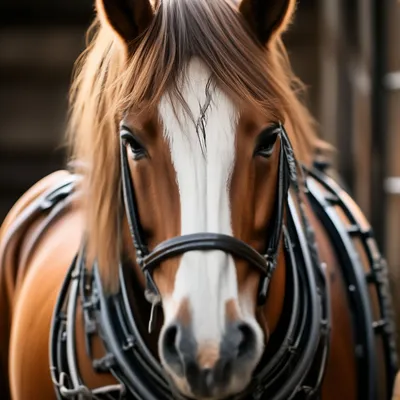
149	260
266	263
295	359
294	362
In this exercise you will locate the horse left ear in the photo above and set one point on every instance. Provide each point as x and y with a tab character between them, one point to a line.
127	18
267	18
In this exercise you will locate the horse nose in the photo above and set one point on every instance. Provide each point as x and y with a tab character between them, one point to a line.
208	366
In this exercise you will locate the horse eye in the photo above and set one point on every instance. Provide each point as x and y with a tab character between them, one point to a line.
137	148
265	142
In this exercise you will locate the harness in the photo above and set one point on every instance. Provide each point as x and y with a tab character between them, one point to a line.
294	361
358	282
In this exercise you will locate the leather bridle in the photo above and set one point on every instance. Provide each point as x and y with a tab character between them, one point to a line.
295	359
294	362
149	260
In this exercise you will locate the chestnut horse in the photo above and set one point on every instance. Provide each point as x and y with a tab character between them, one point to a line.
194	249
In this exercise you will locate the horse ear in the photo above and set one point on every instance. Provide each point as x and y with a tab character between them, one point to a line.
127	18
267	18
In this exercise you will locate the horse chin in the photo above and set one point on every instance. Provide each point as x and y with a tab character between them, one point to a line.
237	384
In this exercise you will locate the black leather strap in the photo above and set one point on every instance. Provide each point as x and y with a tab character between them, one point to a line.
130	202
204	241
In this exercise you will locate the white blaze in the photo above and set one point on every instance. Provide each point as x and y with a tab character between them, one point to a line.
203	172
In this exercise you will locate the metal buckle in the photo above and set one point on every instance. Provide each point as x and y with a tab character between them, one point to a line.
266	279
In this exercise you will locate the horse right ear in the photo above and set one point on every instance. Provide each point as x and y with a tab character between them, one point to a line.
127	18
267	18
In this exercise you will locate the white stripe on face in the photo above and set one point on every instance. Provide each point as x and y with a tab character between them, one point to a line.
203	160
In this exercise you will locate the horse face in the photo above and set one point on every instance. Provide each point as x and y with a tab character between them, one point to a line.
209	168
204	164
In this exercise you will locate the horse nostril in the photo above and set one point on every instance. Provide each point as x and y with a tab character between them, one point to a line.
170	349
248	340
170	338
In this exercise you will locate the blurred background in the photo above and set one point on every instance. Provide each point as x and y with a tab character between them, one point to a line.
346	51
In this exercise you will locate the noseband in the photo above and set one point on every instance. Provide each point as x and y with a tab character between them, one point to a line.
149	260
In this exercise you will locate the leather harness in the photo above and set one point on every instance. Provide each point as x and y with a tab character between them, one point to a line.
294	361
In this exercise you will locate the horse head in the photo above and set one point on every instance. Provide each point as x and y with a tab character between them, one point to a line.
190	96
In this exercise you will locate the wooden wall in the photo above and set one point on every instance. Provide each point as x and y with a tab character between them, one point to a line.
360	112
392	182
39	42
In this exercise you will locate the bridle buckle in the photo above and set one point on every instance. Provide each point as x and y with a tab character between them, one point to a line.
265	280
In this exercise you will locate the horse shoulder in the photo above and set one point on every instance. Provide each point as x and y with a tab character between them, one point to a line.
13	232
39	238
39	247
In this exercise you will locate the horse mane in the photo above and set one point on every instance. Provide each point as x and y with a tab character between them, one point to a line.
107	83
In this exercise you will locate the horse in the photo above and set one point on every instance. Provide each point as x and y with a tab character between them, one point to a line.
196	245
